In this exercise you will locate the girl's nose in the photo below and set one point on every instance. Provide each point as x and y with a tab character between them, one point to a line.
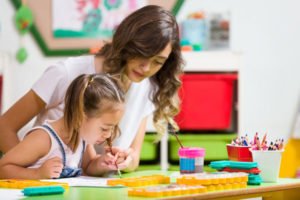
106	135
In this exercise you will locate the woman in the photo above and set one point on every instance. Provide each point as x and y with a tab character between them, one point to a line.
144	55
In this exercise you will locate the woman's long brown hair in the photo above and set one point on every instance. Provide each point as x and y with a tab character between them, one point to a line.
144	34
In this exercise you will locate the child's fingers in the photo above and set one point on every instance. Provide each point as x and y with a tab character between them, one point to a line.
116	157
120	160
55	174
122	166
57	169
108	166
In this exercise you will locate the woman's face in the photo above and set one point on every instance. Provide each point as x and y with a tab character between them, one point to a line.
97	130
138	69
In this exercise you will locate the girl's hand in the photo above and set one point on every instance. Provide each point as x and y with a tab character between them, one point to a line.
51	168
108	162
122	157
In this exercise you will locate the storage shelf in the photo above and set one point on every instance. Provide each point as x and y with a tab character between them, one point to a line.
202	62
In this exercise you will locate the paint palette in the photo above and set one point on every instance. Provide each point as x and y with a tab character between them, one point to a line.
22	183
215	181
140	181
167	190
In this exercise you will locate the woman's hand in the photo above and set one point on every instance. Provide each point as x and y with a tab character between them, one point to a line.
51	168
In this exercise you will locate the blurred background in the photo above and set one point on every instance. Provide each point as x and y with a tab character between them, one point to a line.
244	54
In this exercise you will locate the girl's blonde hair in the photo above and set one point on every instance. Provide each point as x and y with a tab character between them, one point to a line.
90	96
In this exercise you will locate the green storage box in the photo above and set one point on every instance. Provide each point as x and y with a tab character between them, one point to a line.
150	150
214	144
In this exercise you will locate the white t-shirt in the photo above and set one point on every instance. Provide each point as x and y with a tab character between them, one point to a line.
53	84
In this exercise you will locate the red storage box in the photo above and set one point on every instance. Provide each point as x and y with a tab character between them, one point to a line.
207	101
239	153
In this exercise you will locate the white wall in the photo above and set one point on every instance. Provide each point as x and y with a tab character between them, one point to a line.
268	34
19	77
266	31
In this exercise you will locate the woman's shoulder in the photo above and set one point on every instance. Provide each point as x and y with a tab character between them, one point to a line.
80	60
76	66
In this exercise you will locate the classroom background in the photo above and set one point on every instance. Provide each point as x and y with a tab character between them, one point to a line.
262	50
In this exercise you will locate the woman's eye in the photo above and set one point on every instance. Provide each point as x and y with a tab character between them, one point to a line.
158	62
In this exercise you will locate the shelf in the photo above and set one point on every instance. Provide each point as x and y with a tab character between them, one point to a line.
211	61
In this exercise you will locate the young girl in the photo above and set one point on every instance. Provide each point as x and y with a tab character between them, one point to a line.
145	55
94	105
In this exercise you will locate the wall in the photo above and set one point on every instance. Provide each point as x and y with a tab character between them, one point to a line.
267	32
20	77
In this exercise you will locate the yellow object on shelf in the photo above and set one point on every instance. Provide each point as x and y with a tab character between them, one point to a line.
22	183
140	181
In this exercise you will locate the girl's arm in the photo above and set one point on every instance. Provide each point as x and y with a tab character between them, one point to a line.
95	164
16	117
34	146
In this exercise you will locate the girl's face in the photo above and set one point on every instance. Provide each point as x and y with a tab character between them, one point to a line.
97	130
138	69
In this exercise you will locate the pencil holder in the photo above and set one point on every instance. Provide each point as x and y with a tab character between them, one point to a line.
239	153
191	160
269	164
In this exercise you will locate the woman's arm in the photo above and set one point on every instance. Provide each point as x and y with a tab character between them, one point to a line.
133	153
16	117
34	146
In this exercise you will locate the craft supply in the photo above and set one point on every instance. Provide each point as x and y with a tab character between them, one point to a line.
167	190
232	164
269	163
140	181
254	179
254	170
255	145
43	190
109	142
239	153
191	160
23	183
173	132
219	180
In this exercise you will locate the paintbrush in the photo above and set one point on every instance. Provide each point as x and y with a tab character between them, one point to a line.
172	131
109	143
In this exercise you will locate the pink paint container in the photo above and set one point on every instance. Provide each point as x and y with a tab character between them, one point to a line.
191	160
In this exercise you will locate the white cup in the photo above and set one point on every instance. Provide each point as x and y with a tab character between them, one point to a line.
269	164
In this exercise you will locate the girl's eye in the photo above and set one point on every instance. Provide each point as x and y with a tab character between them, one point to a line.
104	129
